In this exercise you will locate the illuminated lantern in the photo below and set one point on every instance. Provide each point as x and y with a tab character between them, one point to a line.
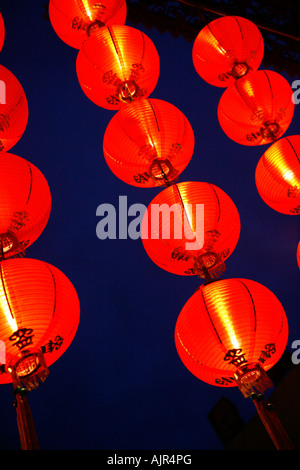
2	31
148	143
228	327
230	332
277	175
25	204
257	109
13	110
74	20
39	316
191	228
298	255
117	64
226	49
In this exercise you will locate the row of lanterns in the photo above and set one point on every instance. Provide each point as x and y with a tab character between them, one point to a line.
39	306
230	332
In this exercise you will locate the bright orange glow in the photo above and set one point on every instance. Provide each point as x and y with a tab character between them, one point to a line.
39	309
277	175
25	203
146	131
5	304
229	323
117	64
257	109
14	110
221	228
222	44
70	19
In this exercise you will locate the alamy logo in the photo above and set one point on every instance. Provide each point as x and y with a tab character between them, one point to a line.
2	92
2	353
296	94
176	221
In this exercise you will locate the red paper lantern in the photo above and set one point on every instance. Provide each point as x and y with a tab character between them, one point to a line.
226	49
148	143
39	316
2	32
277	175
25	204
298	255
14	110
73	21
117	64
191	228
257	109
229	330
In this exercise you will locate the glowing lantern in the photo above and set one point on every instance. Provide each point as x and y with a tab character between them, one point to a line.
228	325
25	204
226	49
2	31
257	109
39	312
73	21
191	228
39	316
117	64
230	332
298	255
277	175
148	143
14	110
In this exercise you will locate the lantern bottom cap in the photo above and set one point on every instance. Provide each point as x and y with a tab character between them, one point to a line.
270	130
239	70
9	245
252	378
28	370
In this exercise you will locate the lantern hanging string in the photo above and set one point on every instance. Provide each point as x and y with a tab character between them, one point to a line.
221	13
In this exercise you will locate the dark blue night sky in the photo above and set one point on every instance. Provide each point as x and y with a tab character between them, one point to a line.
121	384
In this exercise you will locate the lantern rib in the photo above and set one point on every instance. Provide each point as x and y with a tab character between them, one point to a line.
55	290
30	187
219	205
239	27
297	156
154	113
117	49
269	84
143	50
223	50
207	311
253	304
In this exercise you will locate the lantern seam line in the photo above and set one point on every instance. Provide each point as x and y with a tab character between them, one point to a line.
293	149
30	188
254	309
269	85
143	46
239	26
54	282
154	113
117	49
207	311
215	36
217	200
